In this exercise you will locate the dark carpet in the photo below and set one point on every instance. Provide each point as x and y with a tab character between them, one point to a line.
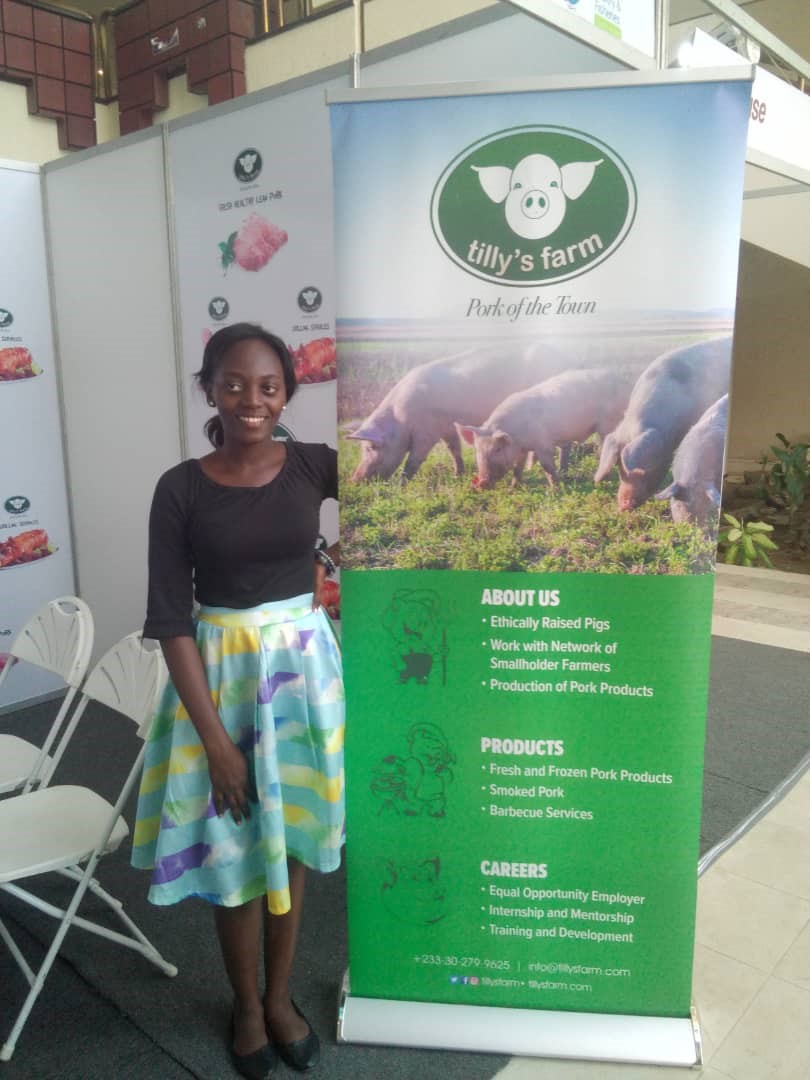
106	1013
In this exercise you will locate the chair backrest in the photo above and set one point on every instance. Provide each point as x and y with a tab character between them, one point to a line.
130	678
59	638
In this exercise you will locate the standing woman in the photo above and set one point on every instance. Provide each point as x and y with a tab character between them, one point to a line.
243	779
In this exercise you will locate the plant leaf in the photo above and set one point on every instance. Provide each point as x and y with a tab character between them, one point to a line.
763	541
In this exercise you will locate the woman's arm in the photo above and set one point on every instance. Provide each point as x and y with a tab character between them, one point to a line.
227	764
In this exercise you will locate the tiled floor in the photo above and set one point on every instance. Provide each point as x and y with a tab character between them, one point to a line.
752	952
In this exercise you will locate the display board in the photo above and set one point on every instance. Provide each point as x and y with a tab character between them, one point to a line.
253	243
35	545
535	351
630	21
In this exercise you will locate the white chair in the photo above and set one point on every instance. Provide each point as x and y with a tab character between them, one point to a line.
58	638
67	829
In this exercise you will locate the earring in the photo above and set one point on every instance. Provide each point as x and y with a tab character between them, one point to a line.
211	403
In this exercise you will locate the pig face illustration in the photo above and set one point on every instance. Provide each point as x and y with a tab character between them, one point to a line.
536	191
248	162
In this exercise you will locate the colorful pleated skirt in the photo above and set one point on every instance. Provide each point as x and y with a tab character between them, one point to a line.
275	675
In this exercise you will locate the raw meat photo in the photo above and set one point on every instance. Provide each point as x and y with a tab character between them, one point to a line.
17	363
25	547
254	245
315	361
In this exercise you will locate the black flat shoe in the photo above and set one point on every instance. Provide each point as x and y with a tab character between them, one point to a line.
256	1066
303	1054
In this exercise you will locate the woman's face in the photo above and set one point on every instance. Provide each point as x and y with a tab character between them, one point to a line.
248	392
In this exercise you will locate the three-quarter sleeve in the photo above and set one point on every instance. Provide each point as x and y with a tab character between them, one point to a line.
171	574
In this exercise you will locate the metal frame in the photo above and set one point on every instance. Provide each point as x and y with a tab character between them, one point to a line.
547	12
737	73
524	1032
774	45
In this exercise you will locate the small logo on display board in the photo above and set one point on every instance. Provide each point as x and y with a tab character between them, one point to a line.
6	318
218	308
248	165
533	205
17	504
310	299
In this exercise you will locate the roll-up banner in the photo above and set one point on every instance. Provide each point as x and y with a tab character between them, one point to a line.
35	553
535	312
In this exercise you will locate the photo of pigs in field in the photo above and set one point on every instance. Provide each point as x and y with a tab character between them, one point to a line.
595	455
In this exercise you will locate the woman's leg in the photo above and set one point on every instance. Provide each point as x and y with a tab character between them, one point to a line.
280	939
239	932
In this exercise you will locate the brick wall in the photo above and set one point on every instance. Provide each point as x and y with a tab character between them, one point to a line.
156	39
52	55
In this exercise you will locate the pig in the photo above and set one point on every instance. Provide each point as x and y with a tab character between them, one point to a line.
566	408
536	191
421	409
671	394
697	468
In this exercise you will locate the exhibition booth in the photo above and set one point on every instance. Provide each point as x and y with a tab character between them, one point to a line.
363	213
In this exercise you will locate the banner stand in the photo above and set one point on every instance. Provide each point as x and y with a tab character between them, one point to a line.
638	1040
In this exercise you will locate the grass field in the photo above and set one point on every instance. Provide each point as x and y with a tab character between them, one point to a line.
439	521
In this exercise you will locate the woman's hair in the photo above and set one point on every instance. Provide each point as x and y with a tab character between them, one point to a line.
217	349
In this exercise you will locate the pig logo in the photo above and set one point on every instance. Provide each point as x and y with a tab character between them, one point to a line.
218	308
536	191
310	299
248	165
533	205
17	504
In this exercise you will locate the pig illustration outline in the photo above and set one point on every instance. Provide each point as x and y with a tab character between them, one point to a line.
411	621
535	192
416	784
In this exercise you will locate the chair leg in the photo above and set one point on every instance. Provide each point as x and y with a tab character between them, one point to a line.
68	918
137	941
12	947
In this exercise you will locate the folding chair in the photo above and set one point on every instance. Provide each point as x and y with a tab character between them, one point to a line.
58	638
60	827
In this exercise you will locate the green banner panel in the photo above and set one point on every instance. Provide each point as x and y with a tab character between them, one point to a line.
525	787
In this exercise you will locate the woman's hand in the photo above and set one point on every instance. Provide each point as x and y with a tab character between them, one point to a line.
317	585
227	764
230	783
320	574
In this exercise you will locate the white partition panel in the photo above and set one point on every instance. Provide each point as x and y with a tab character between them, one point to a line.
106	215
509	46
35	558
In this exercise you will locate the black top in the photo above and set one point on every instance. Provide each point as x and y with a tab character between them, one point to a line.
234	546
